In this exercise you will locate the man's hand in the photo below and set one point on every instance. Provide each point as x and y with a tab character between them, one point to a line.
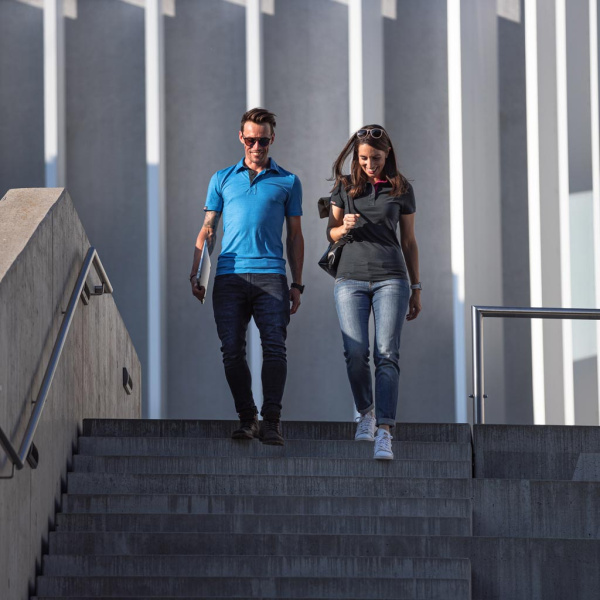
295	300
199	292
414	305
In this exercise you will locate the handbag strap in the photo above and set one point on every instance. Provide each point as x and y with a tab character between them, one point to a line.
350	203
348	236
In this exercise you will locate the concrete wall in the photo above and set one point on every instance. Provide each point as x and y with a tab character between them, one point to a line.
417	118
21	96
306	84
531	451
536	509
482	201
515	229
201	44
301	88
43	246
106	146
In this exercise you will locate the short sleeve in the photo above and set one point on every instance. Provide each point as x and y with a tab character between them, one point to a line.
338	197
293	205
214	199
409	205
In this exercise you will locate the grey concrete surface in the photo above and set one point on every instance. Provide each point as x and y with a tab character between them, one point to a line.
578	96
482	199
300	448
36	280
106	147
587	467
21	96
530	451
299	430
515	218
245	566
266	587
520	569
551	242
585	378
536	509
269	505
523	538
205	96
99	483
306	84
231	523
194	465
416	113
158	514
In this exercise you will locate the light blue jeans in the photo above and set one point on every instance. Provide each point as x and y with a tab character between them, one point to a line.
388	300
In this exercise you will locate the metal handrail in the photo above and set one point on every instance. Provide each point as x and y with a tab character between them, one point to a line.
477	315
27	451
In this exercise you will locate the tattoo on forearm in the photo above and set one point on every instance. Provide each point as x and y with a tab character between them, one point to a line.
211	222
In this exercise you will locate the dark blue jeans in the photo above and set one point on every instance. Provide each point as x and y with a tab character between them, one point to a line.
266	297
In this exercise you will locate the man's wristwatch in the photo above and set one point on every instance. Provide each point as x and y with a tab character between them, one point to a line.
416	286
298	287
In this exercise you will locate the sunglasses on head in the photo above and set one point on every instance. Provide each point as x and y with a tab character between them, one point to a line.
375	133
263	142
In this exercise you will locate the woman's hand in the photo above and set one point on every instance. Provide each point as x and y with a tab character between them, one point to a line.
350	222
414	305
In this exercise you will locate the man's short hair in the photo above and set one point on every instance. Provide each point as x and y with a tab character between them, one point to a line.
259	116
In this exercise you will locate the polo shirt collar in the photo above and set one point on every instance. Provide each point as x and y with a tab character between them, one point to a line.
273	166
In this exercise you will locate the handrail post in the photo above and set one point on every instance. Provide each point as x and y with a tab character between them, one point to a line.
478	382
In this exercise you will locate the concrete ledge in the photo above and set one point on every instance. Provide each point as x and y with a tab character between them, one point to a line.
538	509
42	247
532	451
299	430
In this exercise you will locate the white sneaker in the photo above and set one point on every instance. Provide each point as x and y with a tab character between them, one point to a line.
365	430
383	445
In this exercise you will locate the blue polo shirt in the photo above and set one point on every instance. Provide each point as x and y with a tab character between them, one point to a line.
253	214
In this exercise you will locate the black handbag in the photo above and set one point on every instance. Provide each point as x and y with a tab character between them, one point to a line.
331	258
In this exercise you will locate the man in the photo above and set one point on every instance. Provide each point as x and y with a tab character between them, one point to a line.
254	197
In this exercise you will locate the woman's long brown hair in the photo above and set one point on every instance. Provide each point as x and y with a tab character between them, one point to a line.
355	184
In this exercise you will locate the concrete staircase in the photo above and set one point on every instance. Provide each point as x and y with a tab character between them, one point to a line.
176	509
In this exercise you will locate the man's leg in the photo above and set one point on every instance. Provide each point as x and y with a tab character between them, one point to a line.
271	310
232	309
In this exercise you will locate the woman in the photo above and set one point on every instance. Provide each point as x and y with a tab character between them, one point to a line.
373	275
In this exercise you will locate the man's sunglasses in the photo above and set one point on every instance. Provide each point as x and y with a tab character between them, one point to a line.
262	142
375	133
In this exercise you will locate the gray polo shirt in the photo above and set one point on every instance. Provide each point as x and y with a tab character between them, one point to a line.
375	253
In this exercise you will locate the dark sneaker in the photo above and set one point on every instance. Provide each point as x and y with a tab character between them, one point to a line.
248	430
270	433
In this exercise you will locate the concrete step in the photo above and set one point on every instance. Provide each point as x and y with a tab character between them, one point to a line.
255	566
265	524
216	544
181	446
268	485
300	505
265	587
516	569
271	466
306	430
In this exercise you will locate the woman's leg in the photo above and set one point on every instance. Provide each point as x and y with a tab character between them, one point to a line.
353	304
390	305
